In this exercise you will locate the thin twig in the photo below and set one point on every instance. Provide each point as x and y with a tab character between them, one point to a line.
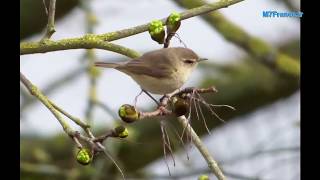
71	117
45	6
50	25
91	56
38	94
54	85
106	109
55	110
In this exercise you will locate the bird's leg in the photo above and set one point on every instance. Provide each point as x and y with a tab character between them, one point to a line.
166	96
151	97
136	99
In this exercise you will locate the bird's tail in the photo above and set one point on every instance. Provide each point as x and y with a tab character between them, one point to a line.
106	65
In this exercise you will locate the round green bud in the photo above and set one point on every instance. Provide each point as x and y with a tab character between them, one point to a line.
203	177
84	156
173	22
174	18
156	31
121	131
180	106
128	113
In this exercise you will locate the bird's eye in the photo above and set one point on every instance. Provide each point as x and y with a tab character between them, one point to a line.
188	61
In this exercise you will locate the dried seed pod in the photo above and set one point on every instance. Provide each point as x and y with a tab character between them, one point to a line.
180	106
156	31
128	113
84	156
121	131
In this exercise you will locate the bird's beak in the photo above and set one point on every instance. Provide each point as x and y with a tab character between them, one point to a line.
202	59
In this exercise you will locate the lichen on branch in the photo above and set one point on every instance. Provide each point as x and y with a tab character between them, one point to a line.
102	41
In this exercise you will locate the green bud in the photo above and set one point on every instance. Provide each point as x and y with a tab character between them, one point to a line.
156	31
128	113
203	177
180	106
84	156
121	131
173	22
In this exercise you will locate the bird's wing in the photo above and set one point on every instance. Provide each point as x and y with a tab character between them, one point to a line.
141	68
148	65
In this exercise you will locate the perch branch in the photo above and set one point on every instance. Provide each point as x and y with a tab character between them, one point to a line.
90	41
162	110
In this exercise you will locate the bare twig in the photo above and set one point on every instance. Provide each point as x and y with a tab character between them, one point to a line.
106	109
50	26
91	56
73	118
73	74
45	6
38	94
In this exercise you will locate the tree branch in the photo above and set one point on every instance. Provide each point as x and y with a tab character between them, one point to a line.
99	41
71	75
95	145
37	93
212	164
184	15
88	41
162	110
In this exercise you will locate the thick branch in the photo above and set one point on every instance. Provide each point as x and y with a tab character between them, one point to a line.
87	42
98	41
212	164
184	15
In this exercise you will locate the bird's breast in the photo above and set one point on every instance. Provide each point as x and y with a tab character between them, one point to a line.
159	85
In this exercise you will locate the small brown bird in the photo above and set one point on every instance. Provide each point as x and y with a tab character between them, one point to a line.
161	71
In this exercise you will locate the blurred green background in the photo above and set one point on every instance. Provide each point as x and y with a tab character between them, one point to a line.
248	83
